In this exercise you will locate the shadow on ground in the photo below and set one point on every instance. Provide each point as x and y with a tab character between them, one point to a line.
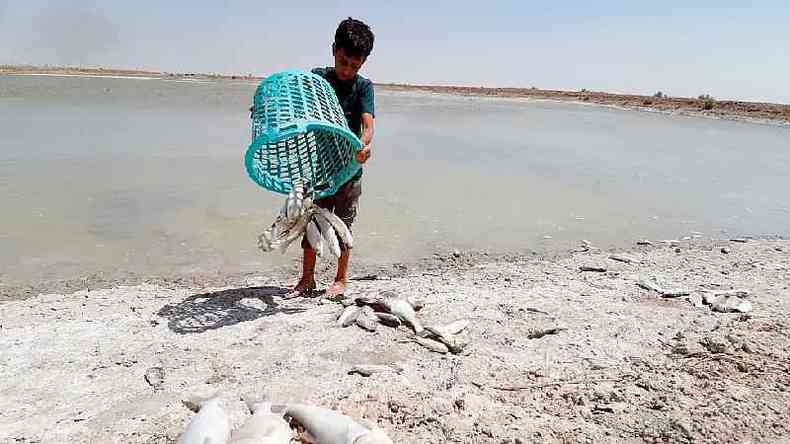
208	311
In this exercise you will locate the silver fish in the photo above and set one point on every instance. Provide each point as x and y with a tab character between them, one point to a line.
327	426
430	344
263	427
295	232
367	319
328	233
209	426
401	308
340	227
348	315
369	369
448	330
388	319
315	238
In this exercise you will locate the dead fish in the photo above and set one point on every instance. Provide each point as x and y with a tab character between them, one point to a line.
367	319
430	344
401	308
325	426
369	369
209	426
263	427
315	239
447	330
348	316
649	284
375	302
417	304
388	319
732	304
446	336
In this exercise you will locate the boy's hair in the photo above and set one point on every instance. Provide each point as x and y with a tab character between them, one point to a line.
354	37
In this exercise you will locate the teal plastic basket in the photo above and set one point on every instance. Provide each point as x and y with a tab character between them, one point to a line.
300	133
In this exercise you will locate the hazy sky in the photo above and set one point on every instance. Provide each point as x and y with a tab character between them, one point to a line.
729	49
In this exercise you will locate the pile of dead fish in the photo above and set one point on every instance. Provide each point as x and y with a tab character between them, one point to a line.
275	424
393	310
299	216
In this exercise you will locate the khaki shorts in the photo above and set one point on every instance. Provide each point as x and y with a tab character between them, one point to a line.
344	204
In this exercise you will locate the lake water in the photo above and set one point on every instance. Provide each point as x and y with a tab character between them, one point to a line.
146	176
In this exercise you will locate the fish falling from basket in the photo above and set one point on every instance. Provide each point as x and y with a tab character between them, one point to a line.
299	216
301	147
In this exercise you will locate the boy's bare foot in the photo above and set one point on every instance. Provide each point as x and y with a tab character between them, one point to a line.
336	290
304	286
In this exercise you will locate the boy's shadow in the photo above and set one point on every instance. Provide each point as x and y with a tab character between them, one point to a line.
209	311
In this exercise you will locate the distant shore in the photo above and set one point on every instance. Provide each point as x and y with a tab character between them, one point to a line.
703	106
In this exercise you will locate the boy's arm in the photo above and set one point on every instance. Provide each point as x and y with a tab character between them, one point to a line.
368	113
367	137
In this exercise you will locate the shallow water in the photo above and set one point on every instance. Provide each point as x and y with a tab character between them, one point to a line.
146	176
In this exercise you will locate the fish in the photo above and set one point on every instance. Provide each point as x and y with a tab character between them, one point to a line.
263	427
295	232
367	319
348	316
430	344
369	369
375	302
448	330
211	424
315	239
340	227
388	319
325	426
328	234
401	308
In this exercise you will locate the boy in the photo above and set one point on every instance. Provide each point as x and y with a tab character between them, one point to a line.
351	48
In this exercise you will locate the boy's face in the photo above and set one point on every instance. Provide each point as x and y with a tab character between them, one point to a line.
346	66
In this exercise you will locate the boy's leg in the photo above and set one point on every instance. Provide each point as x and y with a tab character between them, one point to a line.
346	203
307	281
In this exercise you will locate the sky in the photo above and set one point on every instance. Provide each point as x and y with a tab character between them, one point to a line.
729	49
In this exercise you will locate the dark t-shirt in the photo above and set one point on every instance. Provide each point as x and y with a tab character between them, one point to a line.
355	96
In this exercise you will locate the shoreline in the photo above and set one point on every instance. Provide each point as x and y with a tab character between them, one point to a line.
613	361
290	268
742	111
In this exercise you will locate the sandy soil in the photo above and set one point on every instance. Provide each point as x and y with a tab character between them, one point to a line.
630	366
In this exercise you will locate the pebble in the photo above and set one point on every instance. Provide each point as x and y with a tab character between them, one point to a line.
738	293
155	377
623	258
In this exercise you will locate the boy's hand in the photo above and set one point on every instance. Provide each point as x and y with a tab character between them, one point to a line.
364	154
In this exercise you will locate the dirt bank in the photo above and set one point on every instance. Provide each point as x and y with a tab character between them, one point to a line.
623	363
